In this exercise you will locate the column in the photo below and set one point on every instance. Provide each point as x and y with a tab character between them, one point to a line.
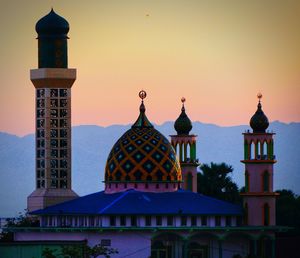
256	150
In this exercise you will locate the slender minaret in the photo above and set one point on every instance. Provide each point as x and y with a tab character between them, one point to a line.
259	198
185	147
52	81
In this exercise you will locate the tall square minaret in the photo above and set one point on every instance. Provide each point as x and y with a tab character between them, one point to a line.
52	81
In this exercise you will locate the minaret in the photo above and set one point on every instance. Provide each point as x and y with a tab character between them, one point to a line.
259	198
52	81
185	147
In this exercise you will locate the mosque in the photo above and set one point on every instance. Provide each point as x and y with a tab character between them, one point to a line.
150	206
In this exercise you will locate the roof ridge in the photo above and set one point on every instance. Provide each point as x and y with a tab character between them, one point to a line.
34	212
114	201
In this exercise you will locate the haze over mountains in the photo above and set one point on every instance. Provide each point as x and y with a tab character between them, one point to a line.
91	146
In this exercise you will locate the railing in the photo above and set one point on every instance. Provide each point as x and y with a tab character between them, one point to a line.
264	157
189	160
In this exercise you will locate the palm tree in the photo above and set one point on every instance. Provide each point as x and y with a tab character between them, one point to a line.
214	180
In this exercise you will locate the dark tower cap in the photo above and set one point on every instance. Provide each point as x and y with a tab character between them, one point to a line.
259	121
183	124
52	25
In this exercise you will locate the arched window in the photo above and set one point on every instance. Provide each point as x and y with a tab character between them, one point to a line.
266	214
188	151
259	153
266	180
265	150
177	147
247	180
252	150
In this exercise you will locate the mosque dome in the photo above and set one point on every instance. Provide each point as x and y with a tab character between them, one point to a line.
183	124
142	154
52	25
259	121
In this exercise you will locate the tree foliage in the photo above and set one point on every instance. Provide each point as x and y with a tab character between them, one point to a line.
288	210
72	251
79	251
99	250
49	253
215	180
23	220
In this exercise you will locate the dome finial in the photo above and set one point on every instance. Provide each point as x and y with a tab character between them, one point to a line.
142	94
142	120
183	100
259	96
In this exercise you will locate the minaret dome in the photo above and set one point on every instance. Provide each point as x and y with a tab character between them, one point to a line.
183	124
52	32
52	25
259	121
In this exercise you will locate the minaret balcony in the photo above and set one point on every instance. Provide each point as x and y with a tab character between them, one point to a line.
259	161
190	162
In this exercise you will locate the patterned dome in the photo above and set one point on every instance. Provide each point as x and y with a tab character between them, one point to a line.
259	121
142	154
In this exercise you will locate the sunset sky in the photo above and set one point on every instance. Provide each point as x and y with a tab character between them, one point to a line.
217	54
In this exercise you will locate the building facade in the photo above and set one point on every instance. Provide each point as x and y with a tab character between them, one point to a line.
150	206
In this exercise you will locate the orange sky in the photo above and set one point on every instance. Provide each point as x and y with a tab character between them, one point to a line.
218	54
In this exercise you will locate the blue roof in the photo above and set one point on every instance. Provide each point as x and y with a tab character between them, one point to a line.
134	202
